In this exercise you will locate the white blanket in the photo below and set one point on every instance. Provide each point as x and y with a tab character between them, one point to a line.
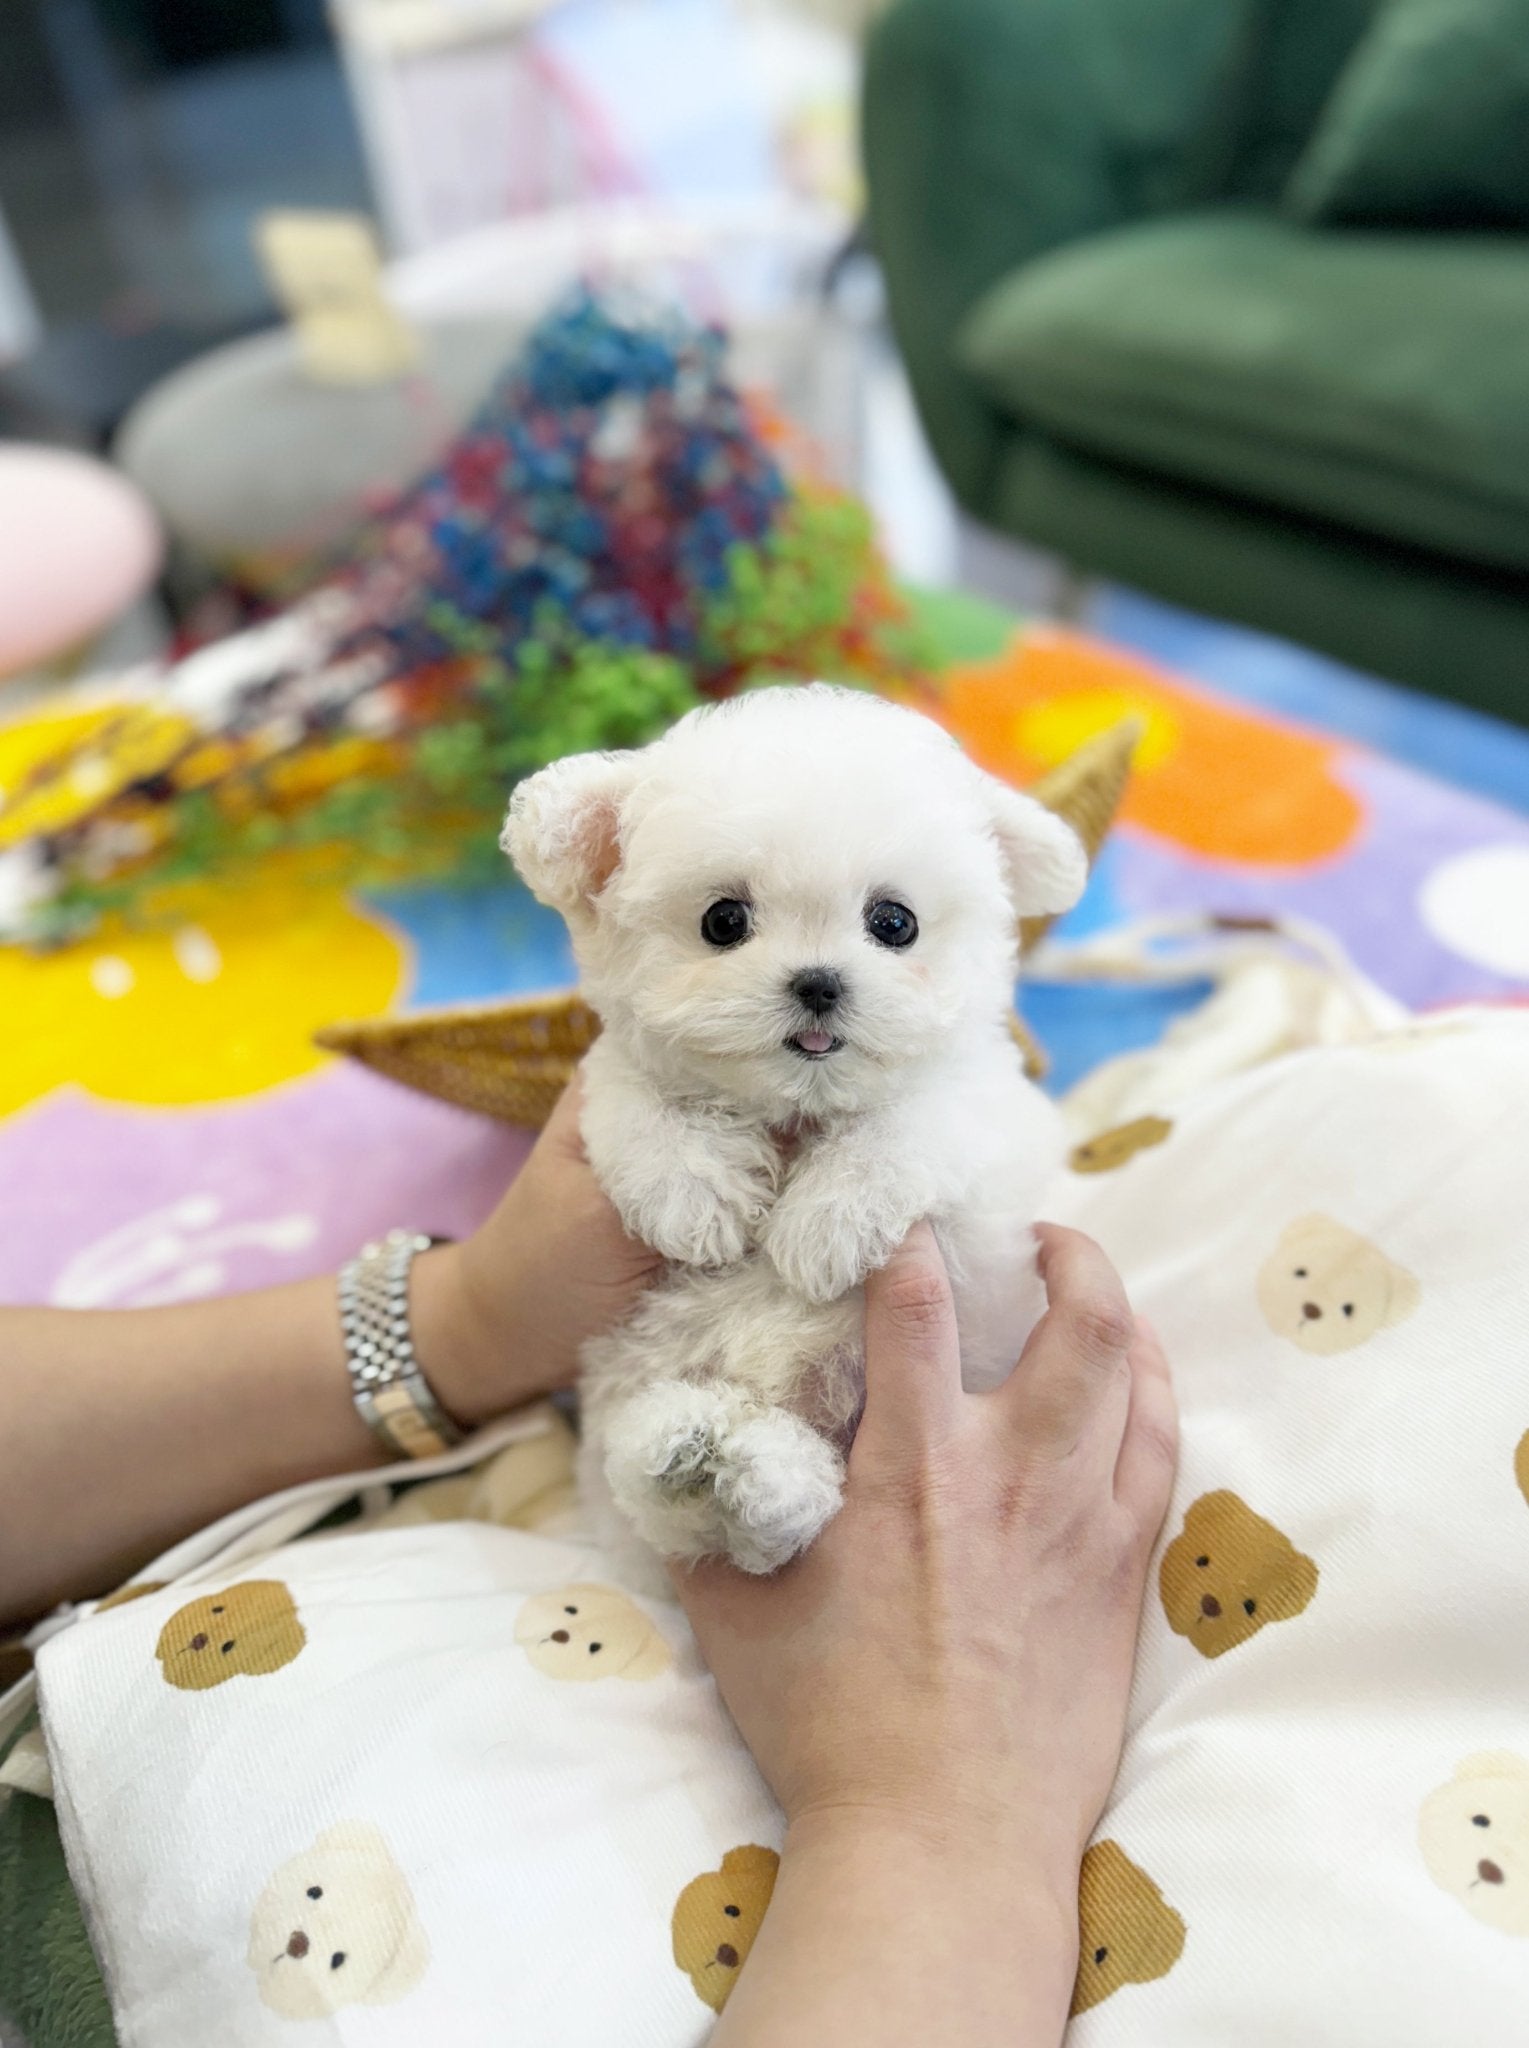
505	1797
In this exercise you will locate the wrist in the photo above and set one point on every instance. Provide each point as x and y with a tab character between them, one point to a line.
996	1854
464	1351
981	1912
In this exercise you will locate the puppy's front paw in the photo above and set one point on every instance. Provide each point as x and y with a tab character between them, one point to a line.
822	1246
699	1221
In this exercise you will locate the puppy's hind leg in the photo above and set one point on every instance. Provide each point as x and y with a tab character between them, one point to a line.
701	1471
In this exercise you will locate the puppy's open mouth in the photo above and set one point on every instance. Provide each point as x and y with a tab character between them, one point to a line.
814	1045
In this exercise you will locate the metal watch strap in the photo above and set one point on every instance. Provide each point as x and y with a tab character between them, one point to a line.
391	1394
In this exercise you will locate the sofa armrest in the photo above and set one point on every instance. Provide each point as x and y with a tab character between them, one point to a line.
996	129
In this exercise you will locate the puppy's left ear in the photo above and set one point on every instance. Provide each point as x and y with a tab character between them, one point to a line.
1044	863
563	831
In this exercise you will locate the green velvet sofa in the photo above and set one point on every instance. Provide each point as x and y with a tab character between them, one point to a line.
1128	347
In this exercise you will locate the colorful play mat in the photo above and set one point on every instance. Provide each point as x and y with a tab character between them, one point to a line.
168	1130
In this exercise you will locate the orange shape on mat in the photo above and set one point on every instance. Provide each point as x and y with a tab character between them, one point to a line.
1212	777
219	1002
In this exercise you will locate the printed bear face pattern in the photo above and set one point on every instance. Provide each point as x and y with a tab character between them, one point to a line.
337	1926
1127	1931
1102	1154
1228	1573
1474	1834
1327	1289
248	1631
716	1918
587	1632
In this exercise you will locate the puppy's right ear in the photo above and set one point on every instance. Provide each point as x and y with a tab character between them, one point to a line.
563	831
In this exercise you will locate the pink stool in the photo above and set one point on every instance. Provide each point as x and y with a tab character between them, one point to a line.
79	545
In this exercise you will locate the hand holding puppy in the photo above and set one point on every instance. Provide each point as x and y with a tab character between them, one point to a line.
936	1690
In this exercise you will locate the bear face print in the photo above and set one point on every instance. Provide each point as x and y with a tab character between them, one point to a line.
1102	1154
716	1918
1127	1931
586	1632
1327	1289
246	1631
1474	1834
337	1926
1228	1573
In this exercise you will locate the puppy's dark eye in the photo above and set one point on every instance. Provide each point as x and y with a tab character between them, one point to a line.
727	922
891	924
1480	1820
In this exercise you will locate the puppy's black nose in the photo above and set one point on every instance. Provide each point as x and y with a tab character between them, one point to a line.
817	989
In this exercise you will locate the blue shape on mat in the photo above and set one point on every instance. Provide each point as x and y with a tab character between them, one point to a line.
1079	1024
1100	905
1448	741
471	945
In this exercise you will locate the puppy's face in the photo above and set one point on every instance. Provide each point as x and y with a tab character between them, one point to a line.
793	897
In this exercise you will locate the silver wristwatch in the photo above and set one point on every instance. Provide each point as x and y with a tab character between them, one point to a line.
392	1394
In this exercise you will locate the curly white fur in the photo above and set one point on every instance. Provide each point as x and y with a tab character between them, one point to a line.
773	1181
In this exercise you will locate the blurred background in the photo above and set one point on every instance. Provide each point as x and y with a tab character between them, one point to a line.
1223	303
396	394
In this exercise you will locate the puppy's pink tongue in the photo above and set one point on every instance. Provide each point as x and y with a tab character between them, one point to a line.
814	1041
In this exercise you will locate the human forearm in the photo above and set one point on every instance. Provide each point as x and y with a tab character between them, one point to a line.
881	1935
127	1429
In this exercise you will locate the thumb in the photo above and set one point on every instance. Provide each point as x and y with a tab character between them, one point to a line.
912	1351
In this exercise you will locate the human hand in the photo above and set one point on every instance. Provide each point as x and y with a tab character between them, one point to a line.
501	1317
951	1659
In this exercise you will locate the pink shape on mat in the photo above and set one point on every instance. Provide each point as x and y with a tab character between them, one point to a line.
106	1206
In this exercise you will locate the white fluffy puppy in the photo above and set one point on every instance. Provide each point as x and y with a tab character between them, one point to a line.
795	915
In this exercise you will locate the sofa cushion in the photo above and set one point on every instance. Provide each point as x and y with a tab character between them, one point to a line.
1292	53
1378	381
1429	122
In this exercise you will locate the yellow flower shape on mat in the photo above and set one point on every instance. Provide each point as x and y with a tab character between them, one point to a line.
59	765
220	1002
1210	776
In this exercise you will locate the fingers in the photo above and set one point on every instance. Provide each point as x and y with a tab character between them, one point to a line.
1072	1383
1149	1450
912	1352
